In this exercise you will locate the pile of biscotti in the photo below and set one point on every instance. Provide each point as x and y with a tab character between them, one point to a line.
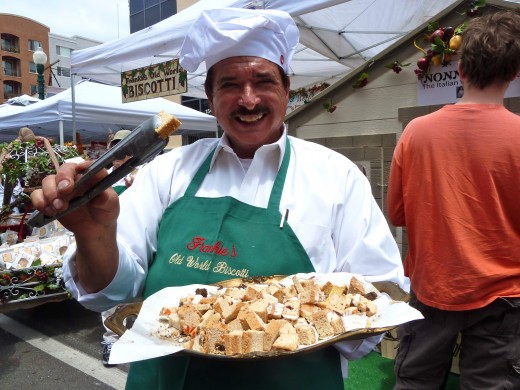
260	318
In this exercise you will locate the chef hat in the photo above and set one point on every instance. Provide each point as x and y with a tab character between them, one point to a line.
218	34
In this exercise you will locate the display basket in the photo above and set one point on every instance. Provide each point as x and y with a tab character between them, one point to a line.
29	287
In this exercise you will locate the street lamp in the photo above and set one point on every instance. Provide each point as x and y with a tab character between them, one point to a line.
40	59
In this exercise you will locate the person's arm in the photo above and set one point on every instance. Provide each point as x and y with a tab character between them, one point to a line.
94	224
395	201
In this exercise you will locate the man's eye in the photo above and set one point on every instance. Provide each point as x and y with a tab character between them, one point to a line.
227	85
267	81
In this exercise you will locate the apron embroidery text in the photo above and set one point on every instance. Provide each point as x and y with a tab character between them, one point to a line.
217	248
222	267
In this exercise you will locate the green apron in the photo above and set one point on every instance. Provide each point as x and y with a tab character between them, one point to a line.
119	189
207	240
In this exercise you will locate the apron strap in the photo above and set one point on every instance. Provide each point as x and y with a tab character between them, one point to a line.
199	176
276	192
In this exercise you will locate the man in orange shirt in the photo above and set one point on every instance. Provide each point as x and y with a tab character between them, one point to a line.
454	183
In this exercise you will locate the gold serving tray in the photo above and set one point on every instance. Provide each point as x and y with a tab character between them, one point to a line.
116	322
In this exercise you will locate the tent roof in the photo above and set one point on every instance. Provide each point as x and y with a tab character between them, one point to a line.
336	37
98	109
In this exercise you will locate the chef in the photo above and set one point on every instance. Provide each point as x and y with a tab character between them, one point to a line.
254	202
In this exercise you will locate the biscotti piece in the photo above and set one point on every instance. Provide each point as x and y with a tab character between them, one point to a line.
210	318
337	324
286	342
214	341
271	333
168	124
287	327
337	300
233	342
188	316
311	293
356	286
254	321
236	324
306	335
367	306
227	308
252	293
252	341
291	310
276	292
196	343
321	320
236	293
260	307
307	310
297	285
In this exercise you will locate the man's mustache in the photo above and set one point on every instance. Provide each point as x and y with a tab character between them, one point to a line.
258	110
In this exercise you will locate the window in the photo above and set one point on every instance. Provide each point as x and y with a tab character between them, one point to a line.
34	89
63	51
144	13
33	45
12	89
10	43
136	6
32	67
11	66
62	71
152	15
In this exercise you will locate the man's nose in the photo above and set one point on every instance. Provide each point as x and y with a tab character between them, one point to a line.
249	98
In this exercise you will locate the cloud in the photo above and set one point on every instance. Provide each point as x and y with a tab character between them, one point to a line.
101	20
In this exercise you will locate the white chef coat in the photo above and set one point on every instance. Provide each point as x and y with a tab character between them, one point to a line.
329	201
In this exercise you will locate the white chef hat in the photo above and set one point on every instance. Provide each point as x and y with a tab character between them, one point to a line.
218	34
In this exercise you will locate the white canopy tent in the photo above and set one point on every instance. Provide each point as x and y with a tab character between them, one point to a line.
336	37
23	100
98	109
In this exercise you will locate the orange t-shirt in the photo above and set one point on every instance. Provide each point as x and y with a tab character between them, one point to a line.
455	185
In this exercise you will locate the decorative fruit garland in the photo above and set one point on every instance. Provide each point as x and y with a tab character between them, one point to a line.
445	41
307	93
329	106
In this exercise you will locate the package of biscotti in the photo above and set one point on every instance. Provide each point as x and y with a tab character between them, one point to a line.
262	317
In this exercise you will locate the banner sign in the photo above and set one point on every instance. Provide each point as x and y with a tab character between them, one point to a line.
164	79
442	86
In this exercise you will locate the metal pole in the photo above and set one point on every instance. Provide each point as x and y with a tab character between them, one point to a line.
73	96
41	81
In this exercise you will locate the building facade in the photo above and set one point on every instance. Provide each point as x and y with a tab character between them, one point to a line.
20	37
59	53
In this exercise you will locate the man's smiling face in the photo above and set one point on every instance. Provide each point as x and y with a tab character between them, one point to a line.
249	99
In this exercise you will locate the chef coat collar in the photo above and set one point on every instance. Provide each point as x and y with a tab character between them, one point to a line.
225	147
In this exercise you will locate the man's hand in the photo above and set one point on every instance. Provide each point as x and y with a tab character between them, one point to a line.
57	190
94	224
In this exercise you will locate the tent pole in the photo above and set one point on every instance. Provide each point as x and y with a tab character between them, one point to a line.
61	134
73	95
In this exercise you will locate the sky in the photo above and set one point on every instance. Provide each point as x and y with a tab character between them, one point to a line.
100	20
